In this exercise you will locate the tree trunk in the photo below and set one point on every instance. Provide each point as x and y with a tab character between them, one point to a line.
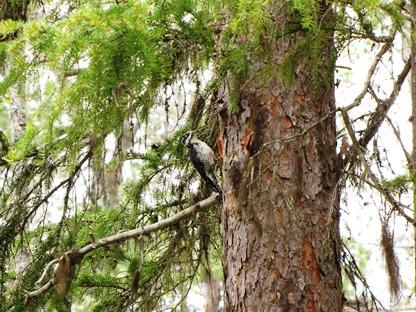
280	208
212	293
105	185
14	9
17	109
17	11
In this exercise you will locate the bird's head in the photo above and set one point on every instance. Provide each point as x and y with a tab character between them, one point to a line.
187	137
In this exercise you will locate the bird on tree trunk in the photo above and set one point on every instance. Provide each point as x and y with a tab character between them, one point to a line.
202	157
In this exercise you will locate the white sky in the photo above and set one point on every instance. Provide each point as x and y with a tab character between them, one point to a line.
361	214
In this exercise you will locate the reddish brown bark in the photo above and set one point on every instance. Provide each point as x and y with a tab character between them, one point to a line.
280	207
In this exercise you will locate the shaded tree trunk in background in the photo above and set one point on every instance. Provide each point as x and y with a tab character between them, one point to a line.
212	293
104	185
281	206
17	108
14	9
17	11
113	178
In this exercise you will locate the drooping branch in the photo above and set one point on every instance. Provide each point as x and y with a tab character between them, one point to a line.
383	107
46	270
386	47
357	149
38	291
377	117
121	237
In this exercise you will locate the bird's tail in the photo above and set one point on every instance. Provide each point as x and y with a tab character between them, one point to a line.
215	184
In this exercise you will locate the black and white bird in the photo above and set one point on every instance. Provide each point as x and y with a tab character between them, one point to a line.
202	157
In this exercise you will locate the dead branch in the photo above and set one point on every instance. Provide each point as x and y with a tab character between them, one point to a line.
377	117
396	132
125	235
382	109
38	291
357	149
386	47
45	271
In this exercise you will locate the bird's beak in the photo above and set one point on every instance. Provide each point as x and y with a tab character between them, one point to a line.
186	137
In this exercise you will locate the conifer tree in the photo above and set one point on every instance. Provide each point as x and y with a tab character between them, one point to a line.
255	79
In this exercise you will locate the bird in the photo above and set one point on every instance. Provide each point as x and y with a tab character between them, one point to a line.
202	157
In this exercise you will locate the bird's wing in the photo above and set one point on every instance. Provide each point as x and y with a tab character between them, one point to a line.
206	154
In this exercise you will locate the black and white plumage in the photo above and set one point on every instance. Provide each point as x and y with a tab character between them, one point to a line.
202	157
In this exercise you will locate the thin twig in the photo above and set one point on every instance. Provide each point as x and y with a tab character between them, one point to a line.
386	47
45	271
357	148
398	137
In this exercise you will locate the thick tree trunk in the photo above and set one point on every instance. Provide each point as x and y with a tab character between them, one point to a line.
280	208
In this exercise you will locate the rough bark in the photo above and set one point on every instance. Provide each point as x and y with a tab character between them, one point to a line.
280	208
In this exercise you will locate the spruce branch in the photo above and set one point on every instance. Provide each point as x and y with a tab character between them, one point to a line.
117	238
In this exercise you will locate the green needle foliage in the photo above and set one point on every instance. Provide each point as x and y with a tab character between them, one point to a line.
85	67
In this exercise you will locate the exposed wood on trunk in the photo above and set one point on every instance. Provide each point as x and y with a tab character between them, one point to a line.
280	212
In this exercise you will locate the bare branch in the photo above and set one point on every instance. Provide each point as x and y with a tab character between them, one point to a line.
125	235
379	114
357	148
122	236
48	266
386	47
396	132
384	105
39	291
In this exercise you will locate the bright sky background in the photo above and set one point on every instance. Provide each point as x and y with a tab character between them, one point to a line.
361	213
